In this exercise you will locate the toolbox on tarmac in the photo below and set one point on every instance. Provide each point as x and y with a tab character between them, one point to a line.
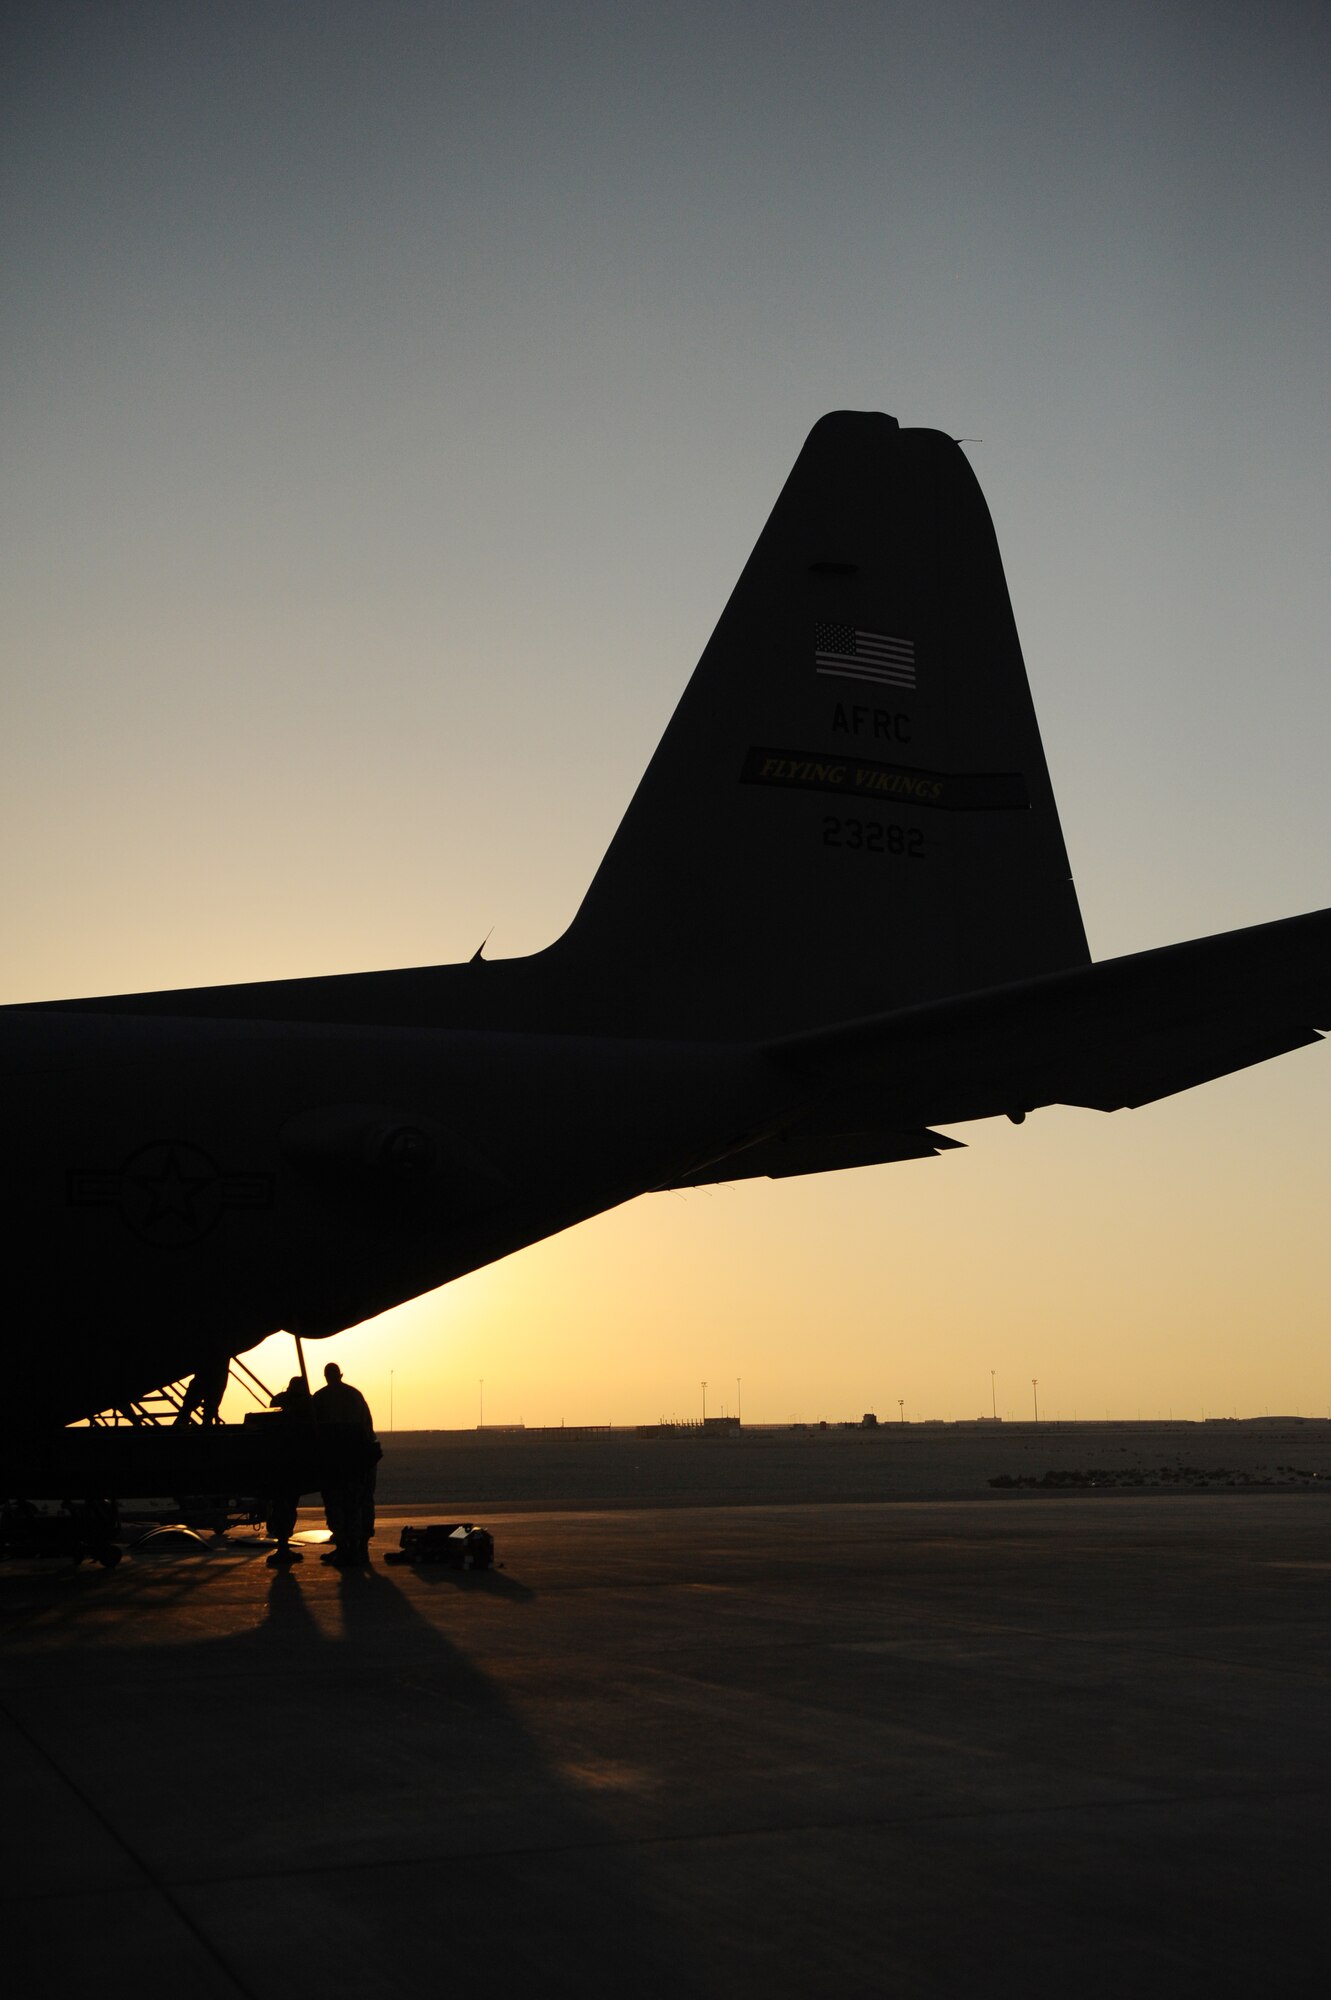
456	1543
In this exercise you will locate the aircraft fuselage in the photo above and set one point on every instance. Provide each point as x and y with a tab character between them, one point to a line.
213	1181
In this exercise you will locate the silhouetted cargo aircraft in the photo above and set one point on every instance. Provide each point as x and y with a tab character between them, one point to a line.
838	912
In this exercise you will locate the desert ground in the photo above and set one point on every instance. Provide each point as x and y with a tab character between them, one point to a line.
843	1463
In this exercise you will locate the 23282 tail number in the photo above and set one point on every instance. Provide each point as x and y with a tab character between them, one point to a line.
871	836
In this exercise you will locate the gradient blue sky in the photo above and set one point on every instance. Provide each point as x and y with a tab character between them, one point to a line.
391	396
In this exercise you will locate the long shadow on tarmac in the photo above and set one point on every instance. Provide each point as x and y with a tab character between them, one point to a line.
310	1777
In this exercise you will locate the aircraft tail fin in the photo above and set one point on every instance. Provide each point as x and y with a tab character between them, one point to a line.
850	810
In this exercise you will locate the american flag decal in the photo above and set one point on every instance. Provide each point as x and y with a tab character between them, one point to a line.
863	656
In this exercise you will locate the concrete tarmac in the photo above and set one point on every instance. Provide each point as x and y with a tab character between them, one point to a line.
1025	1743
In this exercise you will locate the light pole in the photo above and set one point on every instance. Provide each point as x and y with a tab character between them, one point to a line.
739	1407
901	1405
704	1402
993	1396
1035	1393
480	1425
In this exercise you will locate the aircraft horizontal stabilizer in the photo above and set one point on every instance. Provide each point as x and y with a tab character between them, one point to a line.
1109	1036
817	1152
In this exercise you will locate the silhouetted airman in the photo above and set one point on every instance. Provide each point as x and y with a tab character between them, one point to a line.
205	1391
295	1402
348	1505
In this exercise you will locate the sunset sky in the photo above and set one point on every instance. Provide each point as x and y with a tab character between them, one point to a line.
392	394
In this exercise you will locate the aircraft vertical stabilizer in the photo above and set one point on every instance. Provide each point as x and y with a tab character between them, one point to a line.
850	810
